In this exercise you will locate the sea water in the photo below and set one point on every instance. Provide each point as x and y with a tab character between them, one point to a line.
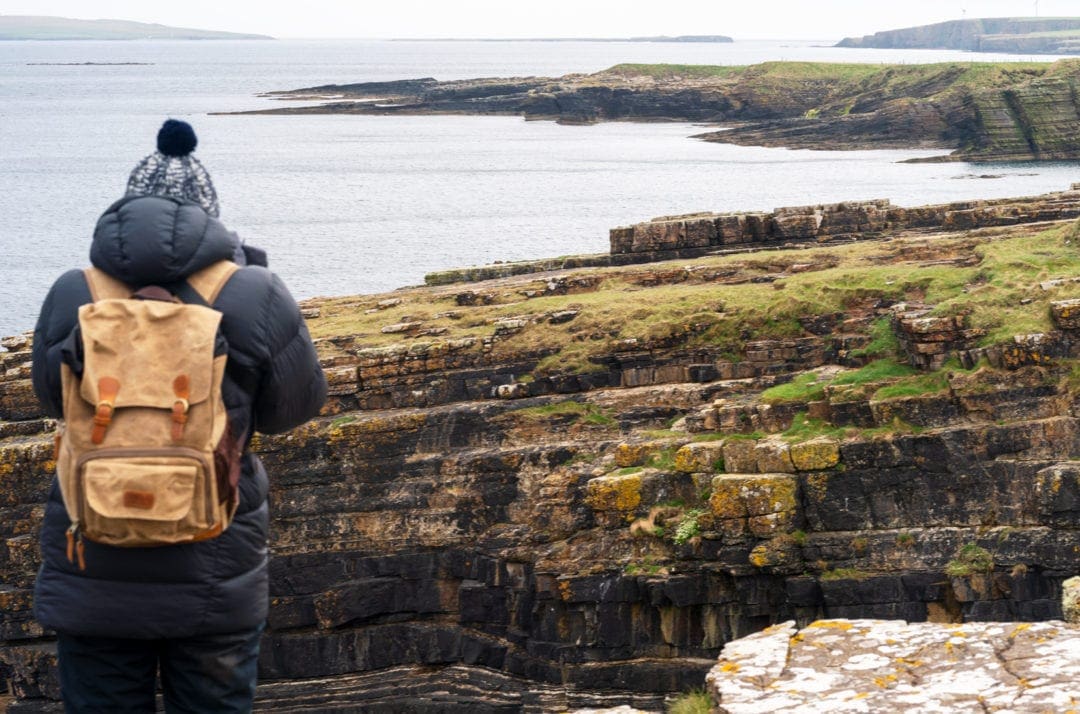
355	204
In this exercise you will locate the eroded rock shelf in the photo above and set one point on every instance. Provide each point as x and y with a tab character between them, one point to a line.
570	490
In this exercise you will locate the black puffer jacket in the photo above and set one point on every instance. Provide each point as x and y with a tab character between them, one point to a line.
273	382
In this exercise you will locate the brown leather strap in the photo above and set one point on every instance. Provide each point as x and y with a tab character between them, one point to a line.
108	388
104	286
182	390
209	281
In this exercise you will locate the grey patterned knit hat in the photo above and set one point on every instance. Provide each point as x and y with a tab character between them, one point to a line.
172	171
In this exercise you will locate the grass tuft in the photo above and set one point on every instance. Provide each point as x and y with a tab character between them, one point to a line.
694	702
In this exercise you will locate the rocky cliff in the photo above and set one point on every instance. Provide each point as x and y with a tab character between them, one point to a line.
995	112
568	489
1046	35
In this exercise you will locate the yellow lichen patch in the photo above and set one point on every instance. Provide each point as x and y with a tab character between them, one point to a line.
726	500
830	625
1020	628
815	455
817	486
564	590
627	455
614	493
759	556
731	667
700	457
767	500
886	681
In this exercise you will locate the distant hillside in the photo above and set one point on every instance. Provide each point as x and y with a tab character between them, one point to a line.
40	27
1037	35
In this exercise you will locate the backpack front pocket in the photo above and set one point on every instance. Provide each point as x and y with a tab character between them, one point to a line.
152	492
145	498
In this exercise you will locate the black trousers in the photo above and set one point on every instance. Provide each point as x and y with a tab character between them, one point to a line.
199	675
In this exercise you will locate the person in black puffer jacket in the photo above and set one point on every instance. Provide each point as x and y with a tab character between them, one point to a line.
196	610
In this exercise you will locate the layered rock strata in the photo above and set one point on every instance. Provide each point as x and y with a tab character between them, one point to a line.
568	491
1049	35
981	112
681	236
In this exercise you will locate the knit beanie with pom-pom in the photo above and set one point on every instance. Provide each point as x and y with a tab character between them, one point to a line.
173	171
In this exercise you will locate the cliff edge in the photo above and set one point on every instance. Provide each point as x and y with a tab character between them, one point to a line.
572	488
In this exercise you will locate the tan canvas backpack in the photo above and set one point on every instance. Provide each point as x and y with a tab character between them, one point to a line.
145	456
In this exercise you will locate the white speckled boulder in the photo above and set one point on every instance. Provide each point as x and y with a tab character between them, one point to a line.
890	665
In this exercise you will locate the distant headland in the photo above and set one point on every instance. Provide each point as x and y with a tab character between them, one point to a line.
1035	35
42	27
1002	111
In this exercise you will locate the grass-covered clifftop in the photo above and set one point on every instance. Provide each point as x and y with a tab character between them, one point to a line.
979	111
1040	35
991	280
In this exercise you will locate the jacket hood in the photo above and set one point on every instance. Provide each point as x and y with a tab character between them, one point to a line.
146	240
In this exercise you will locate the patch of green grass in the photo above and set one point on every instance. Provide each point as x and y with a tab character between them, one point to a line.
804	428
799	537
916	385
342	421
694	702
661	434
876	371
581	411
970	560
804	388
629	470
882	342
721	437
664	71
663	460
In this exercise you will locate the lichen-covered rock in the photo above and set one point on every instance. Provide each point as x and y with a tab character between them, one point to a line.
815	455
739	456
890	665
701	457
636	454
620	493
773	456
1070	600
765	505
1066	314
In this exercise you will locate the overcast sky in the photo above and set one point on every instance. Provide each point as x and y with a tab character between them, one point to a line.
742	19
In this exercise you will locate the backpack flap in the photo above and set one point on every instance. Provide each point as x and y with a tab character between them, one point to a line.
153	345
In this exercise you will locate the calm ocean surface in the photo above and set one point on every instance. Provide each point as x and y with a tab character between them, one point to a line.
352	205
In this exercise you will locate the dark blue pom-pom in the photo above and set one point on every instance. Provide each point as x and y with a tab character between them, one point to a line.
176	138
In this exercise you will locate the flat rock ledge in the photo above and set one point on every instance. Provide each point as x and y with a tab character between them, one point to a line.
891	665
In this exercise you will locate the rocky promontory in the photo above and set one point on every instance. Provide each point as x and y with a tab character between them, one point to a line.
978	111
571	489
1036	35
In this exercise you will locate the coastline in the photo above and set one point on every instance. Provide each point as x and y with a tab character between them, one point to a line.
978	112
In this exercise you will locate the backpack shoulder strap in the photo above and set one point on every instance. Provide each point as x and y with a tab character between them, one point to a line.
104	286
209	281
